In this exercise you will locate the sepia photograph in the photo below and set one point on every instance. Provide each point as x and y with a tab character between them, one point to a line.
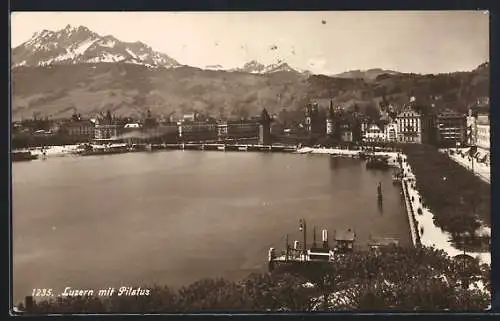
250	162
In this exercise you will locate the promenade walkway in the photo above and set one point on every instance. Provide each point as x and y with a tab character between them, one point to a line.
481	170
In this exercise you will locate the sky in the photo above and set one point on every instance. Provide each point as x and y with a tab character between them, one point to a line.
327	42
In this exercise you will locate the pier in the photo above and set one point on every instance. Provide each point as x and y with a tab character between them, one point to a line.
411	215
231	147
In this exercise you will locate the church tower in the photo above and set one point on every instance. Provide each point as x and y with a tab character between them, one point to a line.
265	128
329	120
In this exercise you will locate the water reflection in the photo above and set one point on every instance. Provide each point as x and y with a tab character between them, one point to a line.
380	205
334	162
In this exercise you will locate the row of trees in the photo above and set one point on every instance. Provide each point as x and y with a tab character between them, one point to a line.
459	200
397	278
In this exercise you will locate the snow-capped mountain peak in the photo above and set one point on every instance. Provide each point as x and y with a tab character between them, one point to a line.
77	45
281	66
253	67
256	67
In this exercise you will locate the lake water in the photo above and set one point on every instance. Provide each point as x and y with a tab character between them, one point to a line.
177	216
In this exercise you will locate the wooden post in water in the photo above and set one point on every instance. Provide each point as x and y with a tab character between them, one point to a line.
287	251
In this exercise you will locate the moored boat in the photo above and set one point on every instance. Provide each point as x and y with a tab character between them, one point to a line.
377	162
300	254
18	156
89	150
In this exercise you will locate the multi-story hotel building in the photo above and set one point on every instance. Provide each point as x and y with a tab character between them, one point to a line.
409	126
478	127
451	128
416	127
483	131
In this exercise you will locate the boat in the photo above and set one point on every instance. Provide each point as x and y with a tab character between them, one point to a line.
290	149
365	155
18	156
377	162
300	254
222	148
137	147
90	150
243	148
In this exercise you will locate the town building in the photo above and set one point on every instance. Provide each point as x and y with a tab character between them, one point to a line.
132	133
242	129
106	129
222	130
478	125
471	130
191	117
197	130
374	134
169	130
391	132
416	126
451	128
478	129
82	129
346	130
314	124
483	132
234	129
409	126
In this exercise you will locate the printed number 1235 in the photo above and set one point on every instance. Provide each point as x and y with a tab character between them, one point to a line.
42	292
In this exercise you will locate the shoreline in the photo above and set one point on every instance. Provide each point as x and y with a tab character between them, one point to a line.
432	236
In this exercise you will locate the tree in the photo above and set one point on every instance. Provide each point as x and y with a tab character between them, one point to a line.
394	278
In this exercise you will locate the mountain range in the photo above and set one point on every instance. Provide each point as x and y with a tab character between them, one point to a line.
56	72
76	45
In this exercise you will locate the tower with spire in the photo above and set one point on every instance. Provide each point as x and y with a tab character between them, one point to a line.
330	119
265	128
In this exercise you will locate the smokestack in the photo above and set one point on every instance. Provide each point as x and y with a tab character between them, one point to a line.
295	245
272	254
325	238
